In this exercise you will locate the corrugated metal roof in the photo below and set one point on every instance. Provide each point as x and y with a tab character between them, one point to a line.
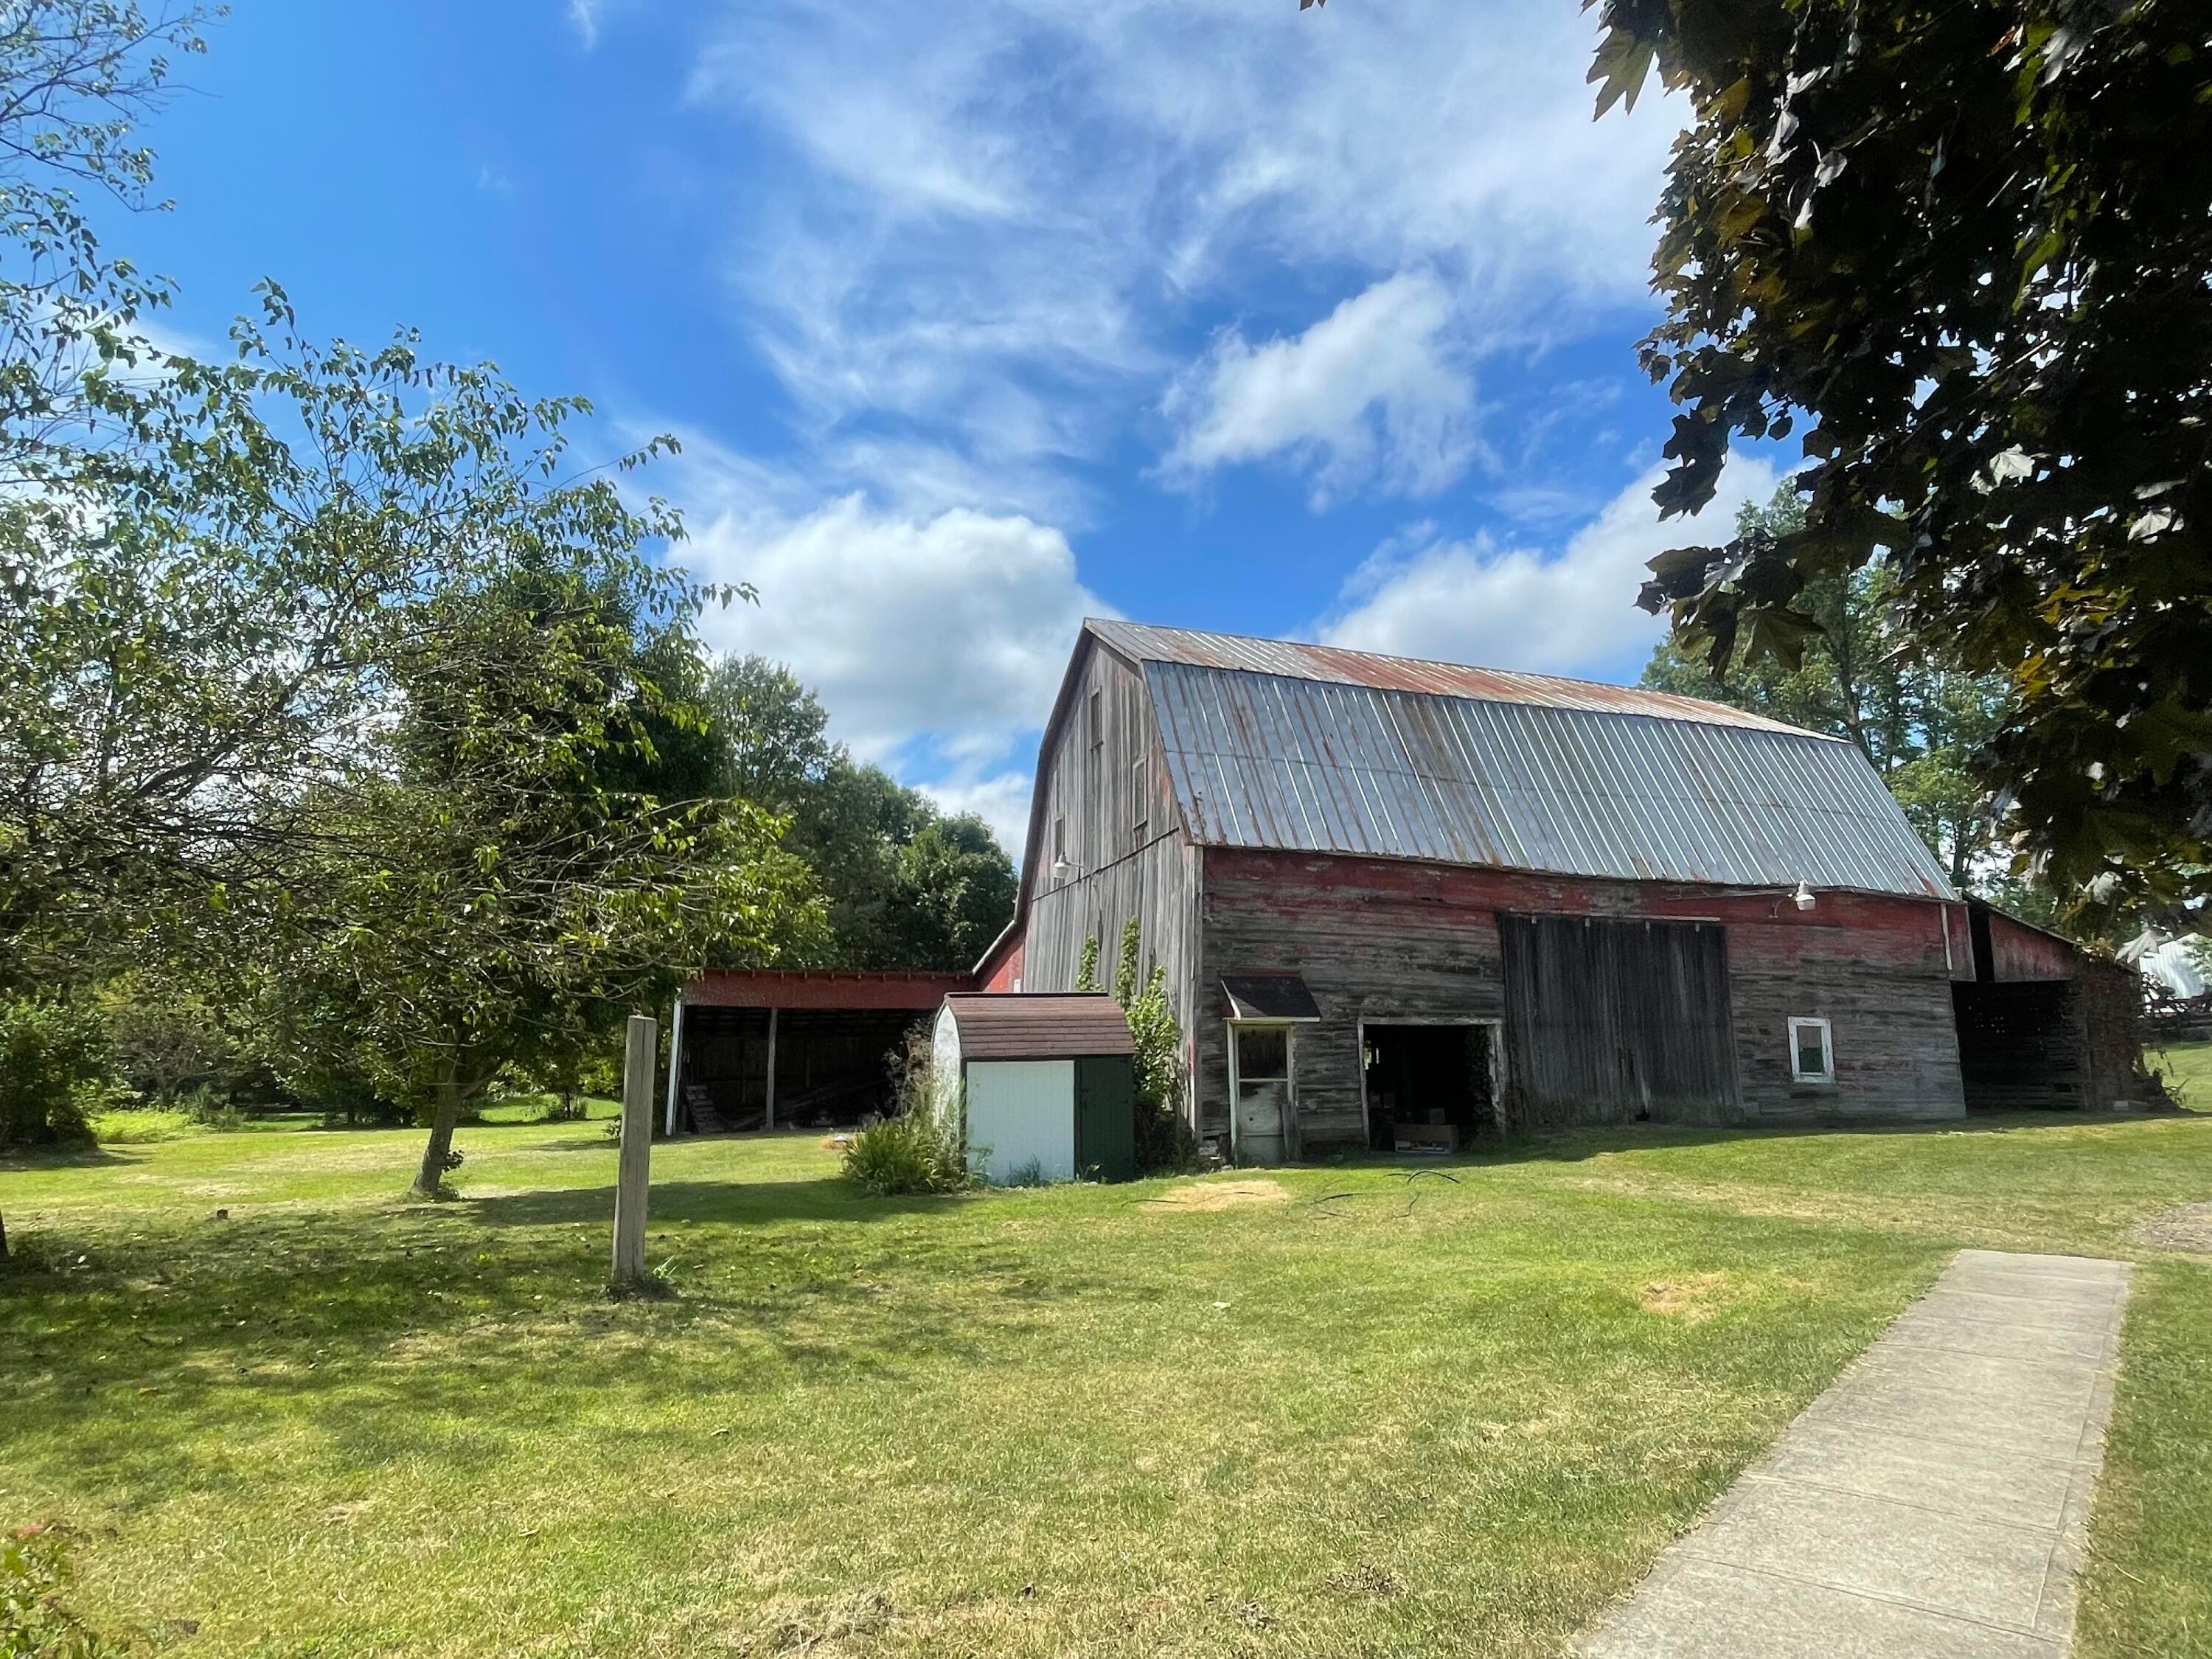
1335	665
1263	759
1040	1025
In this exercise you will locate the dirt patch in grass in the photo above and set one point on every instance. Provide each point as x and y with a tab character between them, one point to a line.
2185	1227
1209	1195
1690	1299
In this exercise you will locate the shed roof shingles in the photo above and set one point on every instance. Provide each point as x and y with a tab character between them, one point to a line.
1032	1025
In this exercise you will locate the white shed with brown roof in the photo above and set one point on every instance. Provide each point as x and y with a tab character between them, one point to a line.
1046	1085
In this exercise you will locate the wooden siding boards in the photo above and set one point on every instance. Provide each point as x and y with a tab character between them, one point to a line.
1614	1021
1113	875
1391	941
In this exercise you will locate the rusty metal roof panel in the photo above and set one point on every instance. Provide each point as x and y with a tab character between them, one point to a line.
1269	760
1334	665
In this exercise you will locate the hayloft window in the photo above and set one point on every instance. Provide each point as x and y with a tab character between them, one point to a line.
1812	1052
1097	719
1139	798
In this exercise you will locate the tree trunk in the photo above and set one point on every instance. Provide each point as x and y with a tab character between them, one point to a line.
433	1174
3	1239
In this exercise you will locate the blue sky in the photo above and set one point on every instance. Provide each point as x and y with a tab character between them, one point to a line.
975	319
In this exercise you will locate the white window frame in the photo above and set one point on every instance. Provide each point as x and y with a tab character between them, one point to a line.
1797	1073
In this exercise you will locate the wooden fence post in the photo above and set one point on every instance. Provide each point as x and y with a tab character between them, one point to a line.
633	1173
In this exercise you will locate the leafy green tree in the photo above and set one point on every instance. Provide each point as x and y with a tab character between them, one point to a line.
907	886
953	892
505	887
1920	722
74	77
1165	1141
1967	248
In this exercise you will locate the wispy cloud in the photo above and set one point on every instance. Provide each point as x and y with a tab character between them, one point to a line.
584	18
1373	393
996	226
1515	606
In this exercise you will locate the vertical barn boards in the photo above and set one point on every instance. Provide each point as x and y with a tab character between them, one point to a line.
1609	1021
1103	803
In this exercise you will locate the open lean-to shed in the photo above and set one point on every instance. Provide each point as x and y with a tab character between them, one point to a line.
1045	1085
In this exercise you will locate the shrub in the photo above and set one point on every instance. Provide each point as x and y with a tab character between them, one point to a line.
53	1072
210	1108
1164	1141
913	1152
35	1620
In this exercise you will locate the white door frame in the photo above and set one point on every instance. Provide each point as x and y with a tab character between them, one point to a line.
1497	1024
1289	1028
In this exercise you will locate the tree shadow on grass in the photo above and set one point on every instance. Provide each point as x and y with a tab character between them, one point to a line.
455	1332
22	1160
745	1203
1579	1145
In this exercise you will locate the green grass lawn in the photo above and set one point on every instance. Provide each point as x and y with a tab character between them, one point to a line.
2187	1067
1324	1411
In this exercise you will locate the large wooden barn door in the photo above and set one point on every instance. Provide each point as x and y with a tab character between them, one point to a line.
1611	1021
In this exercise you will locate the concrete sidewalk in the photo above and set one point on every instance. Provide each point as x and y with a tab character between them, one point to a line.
1933	1501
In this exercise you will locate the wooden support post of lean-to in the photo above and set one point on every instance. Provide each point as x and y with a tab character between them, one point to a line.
634	1174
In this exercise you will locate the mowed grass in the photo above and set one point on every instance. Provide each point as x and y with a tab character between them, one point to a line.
2187	1068
1372	1409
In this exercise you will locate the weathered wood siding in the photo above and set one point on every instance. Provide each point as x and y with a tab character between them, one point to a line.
2018	953
1107	810
1380	939
1616	1021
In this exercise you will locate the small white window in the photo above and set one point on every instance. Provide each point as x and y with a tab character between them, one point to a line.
1812	1053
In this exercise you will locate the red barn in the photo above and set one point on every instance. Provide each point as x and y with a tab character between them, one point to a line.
1406	904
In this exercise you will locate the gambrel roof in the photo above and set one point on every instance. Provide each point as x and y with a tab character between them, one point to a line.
1303	748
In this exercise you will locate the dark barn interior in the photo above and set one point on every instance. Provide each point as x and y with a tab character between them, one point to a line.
832	1066
2019	1044
2042	1025
1430	1087
765	1048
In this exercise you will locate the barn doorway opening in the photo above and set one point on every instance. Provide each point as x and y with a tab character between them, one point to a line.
2020	1045
1430	1087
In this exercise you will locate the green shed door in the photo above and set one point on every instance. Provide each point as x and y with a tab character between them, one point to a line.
1106	1118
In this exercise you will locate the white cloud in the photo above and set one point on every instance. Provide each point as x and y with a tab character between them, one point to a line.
1516	607
1000	799
1370	393
584	18
995	225
946	634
